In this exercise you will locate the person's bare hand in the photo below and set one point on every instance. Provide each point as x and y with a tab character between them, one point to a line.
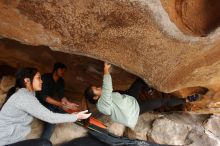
70	105
107	67
64	101
82	115
73	106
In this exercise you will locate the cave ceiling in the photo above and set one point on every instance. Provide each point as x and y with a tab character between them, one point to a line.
171	44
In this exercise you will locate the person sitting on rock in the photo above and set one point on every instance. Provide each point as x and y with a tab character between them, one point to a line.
21	106
124	108
52	95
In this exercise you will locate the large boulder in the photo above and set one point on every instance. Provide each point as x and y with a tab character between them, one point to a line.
176	128
7	82
63	132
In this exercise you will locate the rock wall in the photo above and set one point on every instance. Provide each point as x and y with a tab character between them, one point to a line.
138	35
82	71
195	17
176	128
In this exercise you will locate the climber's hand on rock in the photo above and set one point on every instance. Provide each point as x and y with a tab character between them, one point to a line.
107	67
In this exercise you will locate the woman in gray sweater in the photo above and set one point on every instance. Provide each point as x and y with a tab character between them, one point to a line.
18	111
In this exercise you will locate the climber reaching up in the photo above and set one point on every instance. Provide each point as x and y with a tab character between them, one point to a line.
124	108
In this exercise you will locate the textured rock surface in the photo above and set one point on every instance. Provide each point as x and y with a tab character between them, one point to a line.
138	36
209	103
63	132
174	131
196	17
83	71
213	126
6	83
177	129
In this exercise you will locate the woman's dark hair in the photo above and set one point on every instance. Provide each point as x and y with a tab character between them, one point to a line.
20	76
89	94
58	65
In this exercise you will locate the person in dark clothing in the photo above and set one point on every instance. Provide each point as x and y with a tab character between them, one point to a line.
152	103
52	95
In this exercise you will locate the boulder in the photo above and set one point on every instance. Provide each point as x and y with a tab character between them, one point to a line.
7	82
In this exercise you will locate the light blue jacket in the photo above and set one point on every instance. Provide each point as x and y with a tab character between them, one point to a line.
122	108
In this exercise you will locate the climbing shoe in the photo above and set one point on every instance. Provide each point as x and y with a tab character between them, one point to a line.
193	97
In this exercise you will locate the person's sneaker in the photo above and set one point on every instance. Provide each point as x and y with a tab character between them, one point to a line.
193	97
